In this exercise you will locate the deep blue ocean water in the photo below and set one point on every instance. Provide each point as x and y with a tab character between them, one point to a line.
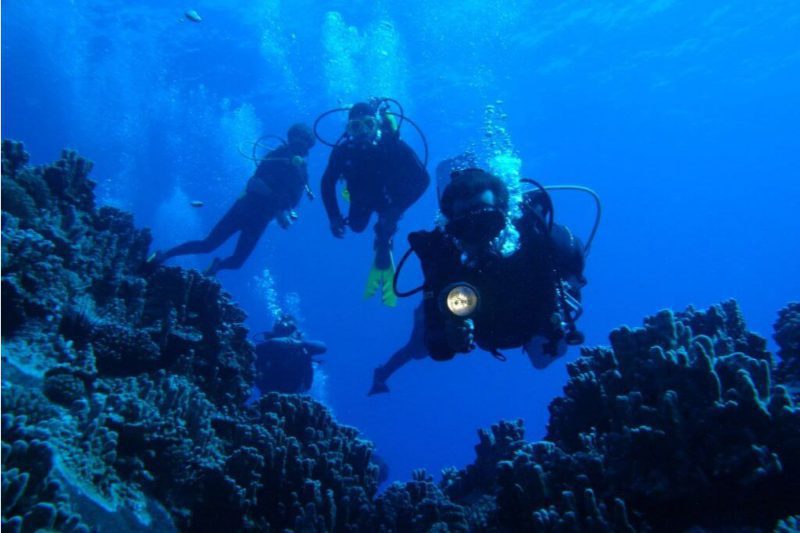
682	115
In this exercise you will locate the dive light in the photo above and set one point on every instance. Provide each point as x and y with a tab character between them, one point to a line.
461	299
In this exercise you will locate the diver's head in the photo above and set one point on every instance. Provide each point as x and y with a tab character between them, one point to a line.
475	205
363	124
285	326
300	139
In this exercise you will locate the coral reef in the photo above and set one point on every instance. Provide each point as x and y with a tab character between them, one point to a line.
787	335
124	386
681	414
124	408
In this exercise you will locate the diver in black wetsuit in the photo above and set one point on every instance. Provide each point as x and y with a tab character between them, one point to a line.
284	359
272	192
383	175
477	294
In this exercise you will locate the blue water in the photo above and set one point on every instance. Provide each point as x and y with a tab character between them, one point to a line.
682	115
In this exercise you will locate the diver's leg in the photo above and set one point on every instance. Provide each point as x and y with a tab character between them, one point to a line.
413	349
244	247
358	216
385	229
229	224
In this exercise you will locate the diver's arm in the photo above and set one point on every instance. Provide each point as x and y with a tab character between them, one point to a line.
328	186
279	343
435	332
412	175
315	347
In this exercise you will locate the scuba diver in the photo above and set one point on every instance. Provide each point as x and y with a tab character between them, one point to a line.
382	174
478	290
284	359
272	193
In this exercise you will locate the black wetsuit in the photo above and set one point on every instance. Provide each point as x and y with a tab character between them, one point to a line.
283	364
385	178
517	294
254	210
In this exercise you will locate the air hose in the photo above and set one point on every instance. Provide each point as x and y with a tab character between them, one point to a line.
598	205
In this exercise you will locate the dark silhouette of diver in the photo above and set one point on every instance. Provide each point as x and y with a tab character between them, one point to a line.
272	192
284	359
477	295
383	175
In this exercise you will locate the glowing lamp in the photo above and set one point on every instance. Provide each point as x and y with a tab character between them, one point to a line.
461	299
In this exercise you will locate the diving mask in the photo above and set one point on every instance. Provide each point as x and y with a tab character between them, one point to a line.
478	225
363	127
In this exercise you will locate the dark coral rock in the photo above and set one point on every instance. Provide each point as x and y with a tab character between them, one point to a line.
68	178
519	486
200	333
495	446
123	351
14	157
33	499
310	446
787	332
681	421
420	506
74	271
787	335
64	386
677	425
138	378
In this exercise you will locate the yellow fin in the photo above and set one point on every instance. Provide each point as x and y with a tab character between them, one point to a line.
382	279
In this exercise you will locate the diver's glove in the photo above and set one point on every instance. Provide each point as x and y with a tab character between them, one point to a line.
286	218
337	226
460	334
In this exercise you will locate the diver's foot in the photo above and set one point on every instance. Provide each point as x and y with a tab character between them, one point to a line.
383	255
156	258
575	337
378	388
213	268
378	382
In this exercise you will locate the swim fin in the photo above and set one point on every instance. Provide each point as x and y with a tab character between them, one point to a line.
155	258
383	279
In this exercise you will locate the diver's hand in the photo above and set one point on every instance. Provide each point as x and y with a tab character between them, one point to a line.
337	227
460	335
286	218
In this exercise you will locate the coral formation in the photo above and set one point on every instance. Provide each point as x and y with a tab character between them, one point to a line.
124	386
124	407
787	335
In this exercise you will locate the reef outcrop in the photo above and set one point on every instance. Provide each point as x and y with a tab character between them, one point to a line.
124	386
124	392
